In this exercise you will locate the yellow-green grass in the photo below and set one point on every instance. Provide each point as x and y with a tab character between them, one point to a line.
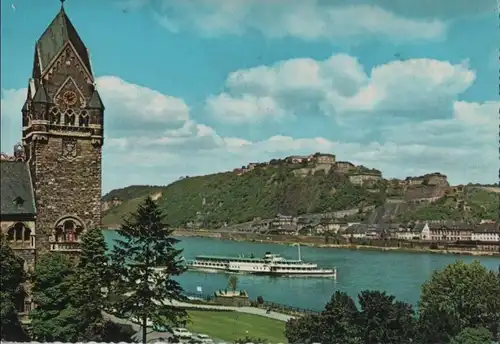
230	326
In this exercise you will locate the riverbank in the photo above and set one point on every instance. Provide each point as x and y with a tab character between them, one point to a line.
319	242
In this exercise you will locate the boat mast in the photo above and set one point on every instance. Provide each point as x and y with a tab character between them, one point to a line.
298	249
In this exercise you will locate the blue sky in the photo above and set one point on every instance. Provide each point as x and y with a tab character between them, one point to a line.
200	86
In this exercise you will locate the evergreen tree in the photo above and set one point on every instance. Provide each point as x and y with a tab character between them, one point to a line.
12	277
143	264
89	286
53	318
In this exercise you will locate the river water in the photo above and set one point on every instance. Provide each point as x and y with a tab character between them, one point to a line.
398	273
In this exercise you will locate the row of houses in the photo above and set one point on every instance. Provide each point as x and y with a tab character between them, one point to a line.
451	231
439	231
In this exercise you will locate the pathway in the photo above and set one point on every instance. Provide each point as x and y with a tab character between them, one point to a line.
248	310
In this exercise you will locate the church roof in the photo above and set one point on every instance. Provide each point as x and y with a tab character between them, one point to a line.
60	31
95	101
40	95
16	196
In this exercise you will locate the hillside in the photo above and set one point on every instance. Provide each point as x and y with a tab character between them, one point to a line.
295	189
230	198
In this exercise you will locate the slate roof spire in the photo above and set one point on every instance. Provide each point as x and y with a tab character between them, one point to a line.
48	46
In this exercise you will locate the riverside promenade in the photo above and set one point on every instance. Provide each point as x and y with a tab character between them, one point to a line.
248	310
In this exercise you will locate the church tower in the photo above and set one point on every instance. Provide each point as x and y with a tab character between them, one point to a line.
63	138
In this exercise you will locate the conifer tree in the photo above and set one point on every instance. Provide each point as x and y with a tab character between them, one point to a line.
89	286
143	261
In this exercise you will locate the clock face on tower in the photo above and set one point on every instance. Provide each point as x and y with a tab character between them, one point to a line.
69	98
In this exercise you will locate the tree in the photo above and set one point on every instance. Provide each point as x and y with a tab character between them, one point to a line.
459	296
473	336
338	323
143	264
335	325
89	286
232	283
303	329
384	320
12	276
52	319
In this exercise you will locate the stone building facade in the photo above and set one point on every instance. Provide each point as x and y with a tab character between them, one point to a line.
63	137
54	183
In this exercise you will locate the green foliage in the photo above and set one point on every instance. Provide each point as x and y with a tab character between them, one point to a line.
131	192
440	210
70	298
12	276
473	336
216	199
52	319
459	296
114	333
383	320
380	319
483	204
135	261
88	286
250	340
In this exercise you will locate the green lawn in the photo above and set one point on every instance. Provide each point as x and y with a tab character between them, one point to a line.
230	326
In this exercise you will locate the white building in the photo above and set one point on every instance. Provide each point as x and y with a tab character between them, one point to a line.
486	232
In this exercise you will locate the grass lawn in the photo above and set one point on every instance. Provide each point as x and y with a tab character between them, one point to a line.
231	325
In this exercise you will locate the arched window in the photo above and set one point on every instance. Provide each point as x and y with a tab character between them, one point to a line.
55	116
19	229
84	119
58	234
69	117
27	234
68	230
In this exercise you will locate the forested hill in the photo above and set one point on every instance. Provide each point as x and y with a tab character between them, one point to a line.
228	198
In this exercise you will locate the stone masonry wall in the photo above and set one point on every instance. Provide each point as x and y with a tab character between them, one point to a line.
66	188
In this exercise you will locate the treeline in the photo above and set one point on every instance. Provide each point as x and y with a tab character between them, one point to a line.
226	198
458	305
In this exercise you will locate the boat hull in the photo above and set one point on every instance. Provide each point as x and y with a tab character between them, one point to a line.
322	274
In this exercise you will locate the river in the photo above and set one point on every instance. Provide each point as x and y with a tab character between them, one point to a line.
398	273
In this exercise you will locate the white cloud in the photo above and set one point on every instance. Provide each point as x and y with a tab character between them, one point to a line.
339	85
138	107
464	147
244	109
307	20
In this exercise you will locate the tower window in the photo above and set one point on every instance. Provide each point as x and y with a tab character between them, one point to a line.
19	231
68	230
55	116
69	117
84	119
27	234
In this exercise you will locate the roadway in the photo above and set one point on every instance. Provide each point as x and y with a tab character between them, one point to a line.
154	336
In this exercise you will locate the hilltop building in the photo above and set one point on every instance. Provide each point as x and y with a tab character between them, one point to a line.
51	187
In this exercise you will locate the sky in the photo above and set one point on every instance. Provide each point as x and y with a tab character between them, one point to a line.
193	87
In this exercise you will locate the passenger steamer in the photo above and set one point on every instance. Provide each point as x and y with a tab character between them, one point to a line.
270	264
